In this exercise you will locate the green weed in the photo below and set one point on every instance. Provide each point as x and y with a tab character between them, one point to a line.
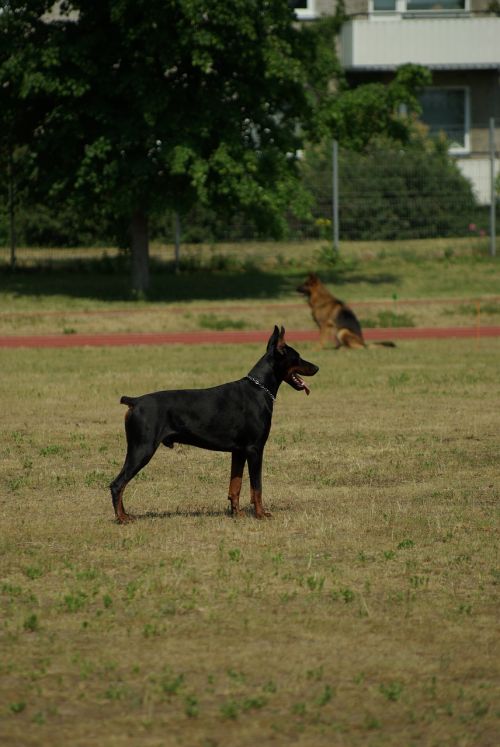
388	318
33	572
254	703
325	697
406	544
229	710
75	602
392	690
397	380
191	706
17	707
52	450
171	684
211	321
31	623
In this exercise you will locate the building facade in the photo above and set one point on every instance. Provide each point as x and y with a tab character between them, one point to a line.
458	40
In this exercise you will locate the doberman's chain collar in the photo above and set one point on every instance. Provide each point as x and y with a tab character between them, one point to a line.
256	381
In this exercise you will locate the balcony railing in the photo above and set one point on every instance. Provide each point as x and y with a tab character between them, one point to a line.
458	42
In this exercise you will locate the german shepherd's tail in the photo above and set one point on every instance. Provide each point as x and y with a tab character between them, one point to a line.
384	343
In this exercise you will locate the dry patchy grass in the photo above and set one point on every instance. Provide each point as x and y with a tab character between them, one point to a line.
186	317
250	285
363	613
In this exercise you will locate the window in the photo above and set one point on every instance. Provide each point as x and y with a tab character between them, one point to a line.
447	110
435	5
410	6
384	5
304	9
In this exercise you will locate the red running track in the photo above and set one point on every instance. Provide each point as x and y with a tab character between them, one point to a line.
233	337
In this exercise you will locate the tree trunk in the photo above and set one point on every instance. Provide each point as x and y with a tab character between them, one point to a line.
139	244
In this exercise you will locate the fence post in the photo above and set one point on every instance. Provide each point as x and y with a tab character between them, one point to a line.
493	197
335	195
12	211
177	239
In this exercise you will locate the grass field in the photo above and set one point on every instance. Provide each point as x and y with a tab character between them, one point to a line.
252	286
363	613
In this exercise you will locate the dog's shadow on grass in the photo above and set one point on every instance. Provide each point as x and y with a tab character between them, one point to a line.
247	513
187	513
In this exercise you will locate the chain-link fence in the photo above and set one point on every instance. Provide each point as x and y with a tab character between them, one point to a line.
384	194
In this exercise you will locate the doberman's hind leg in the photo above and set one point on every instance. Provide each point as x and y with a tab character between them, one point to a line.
254	458
238	460
137	458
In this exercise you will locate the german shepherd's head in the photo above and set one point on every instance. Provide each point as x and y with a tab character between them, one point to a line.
309	285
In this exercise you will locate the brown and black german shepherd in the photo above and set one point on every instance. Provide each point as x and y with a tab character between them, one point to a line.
334	317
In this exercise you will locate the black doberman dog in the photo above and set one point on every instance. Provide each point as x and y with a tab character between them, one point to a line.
234	417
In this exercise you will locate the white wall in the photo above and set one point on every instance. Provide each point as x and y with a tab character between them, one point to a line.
477	170
427	41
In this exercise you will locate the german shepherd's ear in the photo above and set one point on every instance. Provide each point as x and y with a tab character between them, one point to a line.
313	278
277	340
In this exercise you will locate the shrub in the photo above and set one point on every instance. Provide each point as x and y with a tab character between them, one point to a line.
393	191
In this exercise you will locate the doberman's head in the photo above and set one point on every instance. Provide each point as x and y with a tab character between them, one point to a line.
309	284
287	363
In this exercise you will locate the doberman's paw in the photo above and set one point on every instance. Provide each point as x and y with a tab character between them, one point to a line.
263	515
125	518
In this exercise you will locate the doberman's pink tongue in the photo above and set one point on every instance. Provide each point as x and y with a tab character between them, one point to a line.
300	383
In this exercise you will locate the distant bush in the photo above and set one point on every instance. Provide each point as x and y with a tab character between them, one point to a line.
391	191
387	191
44	225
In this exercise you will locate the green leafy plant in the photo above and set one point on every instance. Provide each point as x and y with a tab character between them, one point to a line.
31	623
33	572
191	706
392	690
75	601
229	710
325	696
211	321
170	684
17	707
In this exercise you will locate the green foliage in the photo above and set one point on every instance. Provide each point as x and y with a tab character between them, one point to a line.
392	690
389	318
391	190
45	224
31	624
132	107
372	110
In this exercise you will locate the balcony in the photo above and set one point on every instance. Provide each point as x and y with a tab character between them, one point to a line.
384	43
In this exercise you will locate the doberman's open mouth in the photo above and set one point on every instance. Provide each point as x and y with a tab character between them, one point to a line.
298	383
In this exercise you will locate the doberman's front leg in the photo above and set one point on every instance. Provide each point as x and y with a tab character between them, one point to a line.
254	458
238	460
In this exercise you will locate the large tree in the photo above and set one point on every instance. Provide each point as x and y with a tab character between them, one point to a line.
140	105
19	112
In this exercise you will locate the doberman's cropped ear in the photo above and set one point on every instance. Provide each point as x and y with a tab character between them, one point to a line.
281	340
273	340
